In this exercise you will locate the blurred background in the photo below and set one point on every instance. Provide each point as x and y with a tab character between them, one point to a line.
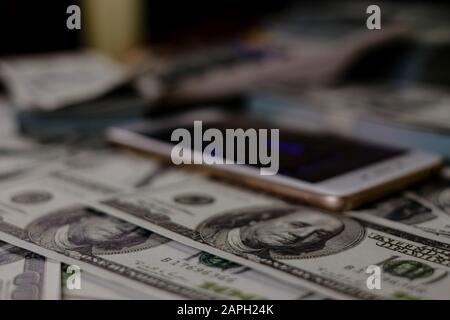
313	64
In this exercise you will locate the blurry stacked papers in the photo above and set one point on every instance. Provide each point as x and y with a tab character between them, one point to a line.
414	117
49	82
269	60
90	117
58	95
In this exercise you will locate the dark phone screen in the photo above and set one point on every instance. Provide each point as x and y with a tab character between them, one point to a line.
308	156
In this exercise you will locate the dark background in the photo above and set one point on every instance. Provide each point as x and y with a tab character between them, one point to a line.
35	26
28	26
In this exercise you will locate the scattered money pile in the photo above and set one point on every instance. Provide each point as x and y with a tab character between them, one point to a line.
138	229
141	230
60	95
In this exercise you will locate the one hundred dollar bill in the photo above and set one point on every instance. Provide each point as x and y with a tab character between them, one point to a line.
321	251
424	209
27	276
50	215
332	257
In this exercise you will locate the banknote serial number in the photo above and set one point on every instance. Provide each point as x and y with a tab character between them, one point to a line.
231	309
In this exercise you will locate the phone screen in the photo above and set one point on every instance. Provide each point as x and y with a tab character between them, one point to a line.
308	156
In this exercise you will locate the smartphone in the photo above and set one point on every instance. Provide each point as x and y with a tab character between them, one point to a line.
320	168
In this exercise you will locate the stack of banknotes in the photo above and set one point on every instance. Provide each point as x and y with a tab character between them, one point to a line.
97	223
136	229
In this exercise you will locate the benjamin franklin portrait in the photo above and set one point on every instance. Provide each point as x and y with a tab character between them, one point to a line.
281	232
88	231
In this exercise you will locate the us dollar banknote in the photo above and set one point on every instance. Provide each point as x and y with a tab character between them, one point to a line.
321	251
423	209
27	276
93	287
46	214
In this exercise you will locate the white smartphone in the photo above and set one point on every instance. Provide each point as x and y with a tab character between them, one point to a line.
319	168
